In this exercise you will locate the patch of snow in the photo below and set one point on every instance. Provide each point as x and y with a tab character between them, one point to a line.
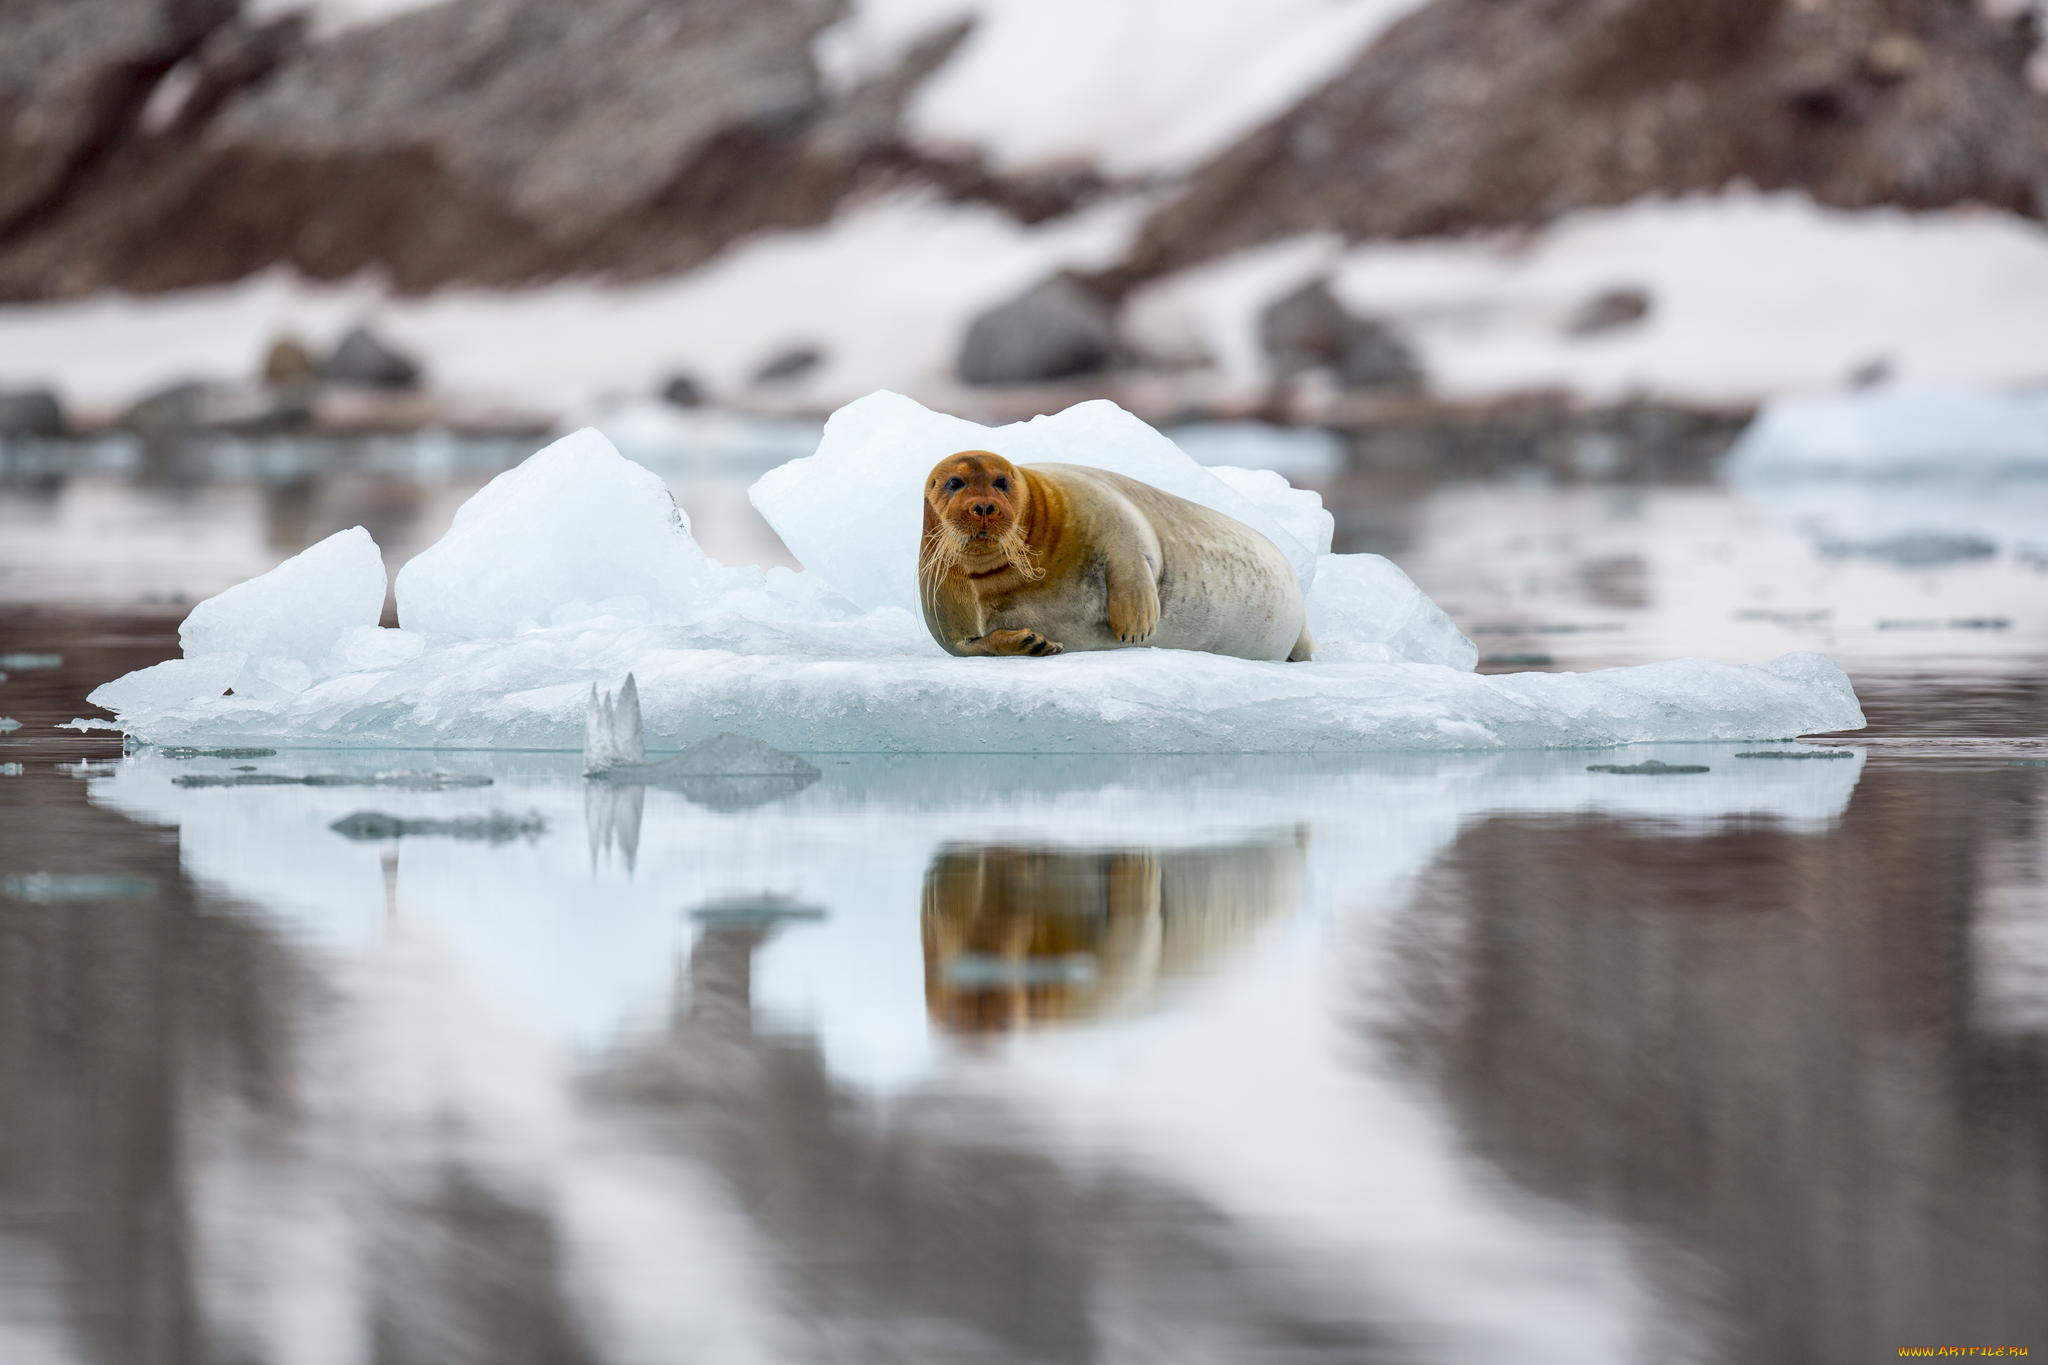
515	632
884	291
1134	87
876	35
329	17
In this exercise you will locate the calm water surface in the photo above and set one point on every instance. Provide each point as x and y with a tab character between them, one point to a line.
1396	1058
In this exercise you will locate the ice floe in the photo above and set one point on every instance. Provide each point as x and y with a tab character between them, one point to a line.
1899	431
577	568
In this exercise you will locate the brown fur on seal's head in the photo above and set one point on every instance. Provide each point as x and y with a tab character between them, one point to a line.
976	518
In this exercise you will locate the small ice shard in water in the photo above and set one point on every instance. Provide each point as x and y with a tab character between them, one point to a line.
399	781
46	888
612	734
11	770
764	909
8	723
495	828
727	772
1649	767
22	663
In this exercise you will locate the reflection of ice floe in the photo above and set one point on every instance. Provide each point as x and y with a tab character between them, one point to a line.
859	843
578	567
624	1045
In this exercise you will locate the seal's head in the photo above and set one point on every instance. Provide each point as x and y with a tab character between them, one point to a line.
975	502
977	495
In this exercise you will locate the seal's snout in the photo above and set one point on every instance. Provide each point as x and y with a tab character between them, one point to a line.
983	509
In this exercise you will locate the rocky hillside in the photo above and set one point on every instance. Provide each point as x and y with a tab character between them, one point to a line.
154	144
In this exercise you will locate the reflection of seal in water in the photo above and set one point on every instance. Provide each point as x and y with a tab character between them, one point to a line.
1018	936
1038	559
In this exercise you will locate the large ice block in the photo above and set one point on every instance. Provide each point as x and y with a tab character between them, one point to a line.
853	512
298	609
576	531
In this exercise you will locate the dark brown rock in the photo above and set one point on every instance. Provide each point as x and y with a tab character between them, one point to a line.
30	412
1310	329
1055	330
789	365
365	360
1607	310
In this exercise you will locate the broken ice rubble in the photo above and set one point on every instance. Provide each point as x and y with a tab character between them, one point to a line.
577	568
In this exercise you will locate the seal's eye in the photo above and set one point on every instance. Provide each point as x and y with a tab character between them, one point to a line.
955	484
1002	485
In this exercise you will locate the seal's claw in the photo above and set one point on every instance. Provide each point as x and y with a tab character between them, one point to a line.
1016	642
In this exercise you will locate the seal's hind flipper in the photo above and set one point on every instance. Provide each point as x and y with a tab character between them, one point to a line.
1304	648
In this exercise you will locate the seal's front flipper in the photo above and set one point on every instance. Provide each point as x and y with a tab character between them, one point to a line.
1011	642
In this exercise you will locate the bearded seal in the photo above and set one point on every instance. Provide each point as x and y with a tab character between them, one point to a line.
1040	559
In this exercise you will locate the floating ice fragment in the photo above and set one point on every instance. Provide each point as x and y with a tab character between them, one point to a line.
23	663
495	828
11	770
412	782
568	533
1649	767
48	887
730	755
8	723
1798	753
986	970
1899	431
750	911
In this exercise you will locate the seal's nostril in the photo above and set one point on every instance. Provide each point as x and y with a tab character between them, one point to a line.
984	509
